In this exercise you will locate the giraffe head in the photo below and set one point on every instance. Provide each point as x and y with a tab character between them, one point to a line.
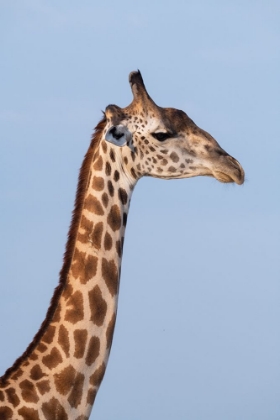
165	142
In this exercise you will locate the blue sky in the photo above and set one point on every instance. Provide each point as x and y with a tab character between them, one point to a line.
197	333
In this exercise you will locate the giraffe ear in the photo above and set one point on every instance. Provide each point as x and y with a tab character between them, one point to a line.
120	136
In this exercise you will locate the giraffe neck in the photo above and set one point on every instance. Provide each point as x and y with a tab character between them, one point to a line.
62	369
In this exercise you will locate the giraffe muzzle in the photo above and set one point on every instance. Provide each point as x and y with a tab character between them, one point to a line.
229	170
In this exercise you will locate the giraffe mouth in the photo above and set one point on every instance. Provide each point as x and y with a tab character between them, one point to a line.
229	171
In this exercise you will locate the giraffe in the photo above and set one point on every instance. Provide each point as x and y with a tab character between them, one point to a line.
58	375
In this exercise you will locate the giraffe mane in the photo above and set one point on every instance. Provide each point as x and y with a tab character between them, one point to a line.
69	249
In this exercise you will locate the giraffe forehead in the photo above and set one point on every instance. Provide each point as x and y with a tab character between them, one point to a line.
147	124
176	120
157	118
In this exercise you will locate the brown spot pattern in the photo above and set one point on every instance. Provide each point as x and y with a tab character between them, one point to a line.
105	199
119	248
111	188
89	269
98	183
76	312
53	359
83	267
123	196
104	146
16	375
43	387
2	398
112	155
56	317
6	413
133	173
97	235
12	397
83	237
93	205
91	396
77	267
98	165
97	376
41	347
110	275
114	218
108	242
110	331
174	157
76	394
33	356
93	350
28	413
36	373
80	338
63	340
49	334
68	289
108	169
98	306
28	391
52	408
86	224
64	380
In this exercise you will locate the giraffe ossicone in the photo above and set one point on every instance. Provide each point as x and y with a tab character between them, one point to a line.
58	375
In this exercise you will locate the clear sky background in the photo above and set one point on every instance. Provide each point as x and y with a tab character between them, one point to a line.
197	334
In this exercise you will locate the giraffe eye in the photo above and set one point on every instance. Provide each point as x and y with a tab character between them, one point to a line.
161	136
